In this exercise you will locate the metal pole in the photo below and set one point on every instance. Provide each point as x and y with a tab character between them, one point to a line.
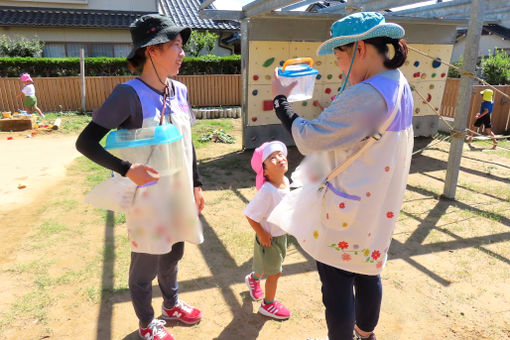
82	75
463	102
245	52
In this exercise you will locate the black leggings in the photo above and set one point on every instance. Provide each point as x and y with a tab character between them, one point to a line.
345	307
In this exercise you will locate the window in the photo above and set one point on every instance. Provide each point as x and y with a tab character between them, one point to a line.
54	50
73	49
121	50
60	49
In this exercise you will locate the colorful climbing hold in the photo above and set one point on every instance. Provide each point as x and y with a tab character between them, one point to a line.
416	64
328	90
267	105
253	119
282	62
305	103
423	75
433	75
431	86
443	75
340	76
255	77
436	63
267	77
268	62
416	75
318	76
429	97
330	76
255	92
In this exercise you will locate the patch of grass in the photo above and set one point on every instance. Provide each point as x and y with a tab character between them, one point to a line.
72	122
204	126
51	227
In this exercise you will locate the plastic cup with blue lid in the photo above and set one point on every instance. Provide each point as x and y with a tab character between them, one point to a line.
298	70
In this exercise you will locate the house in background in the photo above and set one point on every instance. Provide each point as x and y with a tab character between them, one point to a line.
493	36
101	27
185	13
66	26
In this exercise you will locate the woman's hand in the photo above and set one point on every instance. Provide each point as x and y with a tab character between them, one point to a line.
277	88
265	238
142	174
199	198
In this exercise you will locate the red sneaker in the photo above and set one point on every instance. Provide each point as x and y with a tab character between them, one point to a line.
274	310
155	331
256	292
182	312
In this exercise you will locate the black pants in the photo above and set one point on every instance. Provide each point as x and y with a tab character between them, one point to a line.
345	307
143	269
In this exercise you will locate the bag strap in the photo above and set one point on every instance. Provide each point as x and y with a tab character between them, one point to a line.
372	139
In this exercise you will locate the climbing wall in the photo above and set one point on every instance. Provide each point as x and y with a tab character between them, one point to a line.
424	74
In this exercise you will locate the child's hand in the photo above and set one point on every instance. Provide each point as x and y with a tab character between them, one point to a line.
265	238
142	174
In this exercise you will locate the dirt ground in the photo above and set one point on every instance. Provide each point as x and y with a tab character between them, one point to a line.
63	264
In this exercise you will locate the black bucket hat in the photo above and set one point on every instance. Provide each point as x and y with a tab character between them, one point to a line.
153	29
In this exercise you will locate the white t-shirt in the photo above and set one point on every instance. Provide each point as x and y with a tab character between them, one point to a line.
263	203
28	90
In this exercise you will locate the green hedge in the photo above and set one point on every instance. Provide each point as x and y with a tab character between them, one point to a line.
55	67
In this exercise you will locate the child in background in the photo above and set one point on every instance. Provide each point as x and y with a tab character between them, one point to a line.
270	163
484	117
28	90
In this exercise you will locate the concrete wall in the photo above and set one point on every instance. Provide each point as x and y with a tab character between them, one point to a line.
487	43
69	34
121	5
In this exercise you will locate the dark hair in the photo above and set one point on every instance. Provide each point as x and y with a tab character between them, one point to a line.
138	60
381	45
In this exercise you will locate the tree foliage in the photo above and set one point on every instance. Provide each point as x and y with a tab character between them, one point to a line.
496	68
20	47
200	43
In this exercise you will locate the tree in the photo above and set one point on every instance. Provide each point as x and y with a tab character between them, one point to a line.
496	68
20	47
454	73
200	42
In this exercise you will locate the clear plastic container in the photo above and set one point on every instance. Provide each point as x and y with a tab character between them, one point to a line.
158	147
300	70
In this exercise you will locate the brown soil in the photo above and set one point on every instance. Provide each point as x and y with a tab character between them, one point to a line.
64	264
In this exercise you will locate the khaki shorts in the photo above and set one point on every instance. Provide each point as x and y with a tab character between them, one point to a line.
30	101
269	259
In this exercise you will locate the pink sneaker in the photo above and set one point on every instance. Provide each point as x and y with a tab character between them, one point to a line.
256	292
274	310
155	331
182	312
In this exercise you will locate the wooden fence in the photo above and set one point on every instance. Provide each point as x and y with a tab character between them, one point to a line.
500	117
63	93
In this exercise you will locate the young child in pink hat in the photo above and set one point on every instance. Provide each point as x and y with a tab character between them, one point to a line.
270	163
30	101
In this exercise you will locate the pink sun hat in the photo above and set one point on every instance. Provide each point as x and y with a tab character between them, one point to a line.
25	77
259	156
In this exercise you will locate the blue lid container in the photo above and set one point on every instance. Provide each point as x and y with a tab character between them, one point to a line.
301	72
297	71
161	134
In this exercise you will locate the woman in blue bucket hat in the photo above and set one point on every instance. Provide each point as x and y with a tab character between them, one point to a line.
149	100
358	154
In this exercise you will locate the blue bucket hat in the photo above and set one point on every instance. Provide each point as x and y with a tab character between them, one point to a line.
359	26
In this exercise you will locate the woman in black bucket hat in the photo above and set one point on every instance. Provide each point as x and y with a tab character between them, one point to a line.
147	101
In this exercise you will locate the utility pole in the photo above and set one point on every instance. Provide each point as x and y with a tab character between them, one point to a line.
463	102
82	78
